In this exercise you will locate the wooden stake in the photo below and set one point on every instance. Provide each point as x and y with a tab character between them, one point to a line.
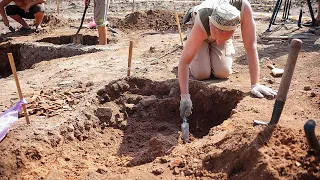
129	58
133	4
14	72
179	29
58	6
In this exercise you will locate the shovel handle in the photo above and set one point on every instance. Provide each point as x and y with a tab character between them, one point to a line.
295	47
84	14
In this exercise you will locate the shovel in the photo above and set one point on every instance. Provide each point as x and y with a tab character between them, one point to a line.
277	72
185	130
77	38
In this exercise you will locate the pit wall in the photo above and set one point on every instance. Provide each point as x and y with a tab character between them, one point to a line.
27	54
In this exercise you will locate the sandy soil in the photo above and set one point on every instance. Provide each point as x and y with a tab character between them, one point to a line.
90	121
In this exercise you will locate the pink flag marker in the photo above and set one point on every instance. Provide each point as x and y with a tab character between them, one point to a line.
9	117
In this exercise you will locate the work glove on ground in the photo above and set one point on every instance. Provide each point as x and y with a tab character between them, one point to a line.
260	91
185	105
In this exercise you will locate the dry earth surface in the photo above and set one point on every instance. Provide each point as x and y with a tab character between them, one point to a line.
90	121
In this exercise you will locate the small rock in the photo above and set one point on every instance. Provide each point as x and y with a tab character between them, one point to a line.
123	125
130	108
149	101
88	116
164	159
52	132
152	49
63	83
63	130
234	111
177	163
70	128
157	170
188	172
77	134
104	114
101	171
101	92
307	88
298	164
90	83
176	171
270	81
55	174
87	125
104	98
313	94
69	137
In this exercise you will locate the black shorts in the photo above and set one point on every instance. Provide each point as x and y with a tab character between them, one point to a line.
12	10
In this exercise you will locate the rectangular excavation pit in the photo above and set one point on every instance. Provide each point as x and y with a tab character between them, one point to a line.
87	40
27	54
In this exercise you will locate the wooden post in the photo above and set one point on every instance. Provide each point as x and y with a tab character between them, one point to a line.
14	72
133	4
179	29
58	6
130	58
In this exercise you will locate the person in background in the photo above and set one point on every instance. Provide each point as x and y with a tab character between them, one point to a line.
100	18
28	9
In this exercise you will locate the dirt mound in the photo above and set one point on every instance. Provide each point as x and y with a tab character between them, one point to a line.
159	20
53	21
275	153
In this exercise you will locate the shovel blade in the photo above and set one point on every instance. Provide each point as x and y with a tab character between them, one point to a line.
77	39
185	131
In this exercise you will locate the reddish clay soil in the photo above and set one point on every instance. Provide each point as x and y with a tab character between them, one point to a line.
90	121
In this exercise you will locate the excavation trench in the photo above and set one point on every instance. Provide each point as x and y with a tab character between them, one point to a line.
27	54
87	40
148	113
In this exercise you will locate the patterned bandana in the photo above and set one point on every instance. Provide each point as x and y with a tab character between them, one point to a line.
225	17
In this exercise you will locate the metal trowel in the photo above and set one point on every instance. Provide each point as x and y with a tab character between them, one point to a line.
185	130
277	72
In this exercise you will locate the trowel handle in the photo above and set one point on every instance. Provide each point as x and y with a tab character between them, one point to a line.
311	137
270	66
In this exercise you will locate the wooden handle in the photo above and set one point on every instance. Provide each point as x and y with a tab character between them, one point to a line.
58	6
179	29
270	66
295	47
129	58
14	72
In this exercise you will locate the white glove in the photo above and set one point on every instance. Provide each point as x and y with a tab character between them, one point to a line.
259	90
185	105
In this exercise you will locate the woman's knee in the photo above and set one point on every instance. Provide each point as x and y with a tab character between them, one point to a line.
222	72
200	74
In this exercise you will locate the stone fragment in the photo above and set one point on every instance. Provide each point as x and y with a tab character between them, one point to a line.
176	171
104	114
157	170
307	88
149	101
